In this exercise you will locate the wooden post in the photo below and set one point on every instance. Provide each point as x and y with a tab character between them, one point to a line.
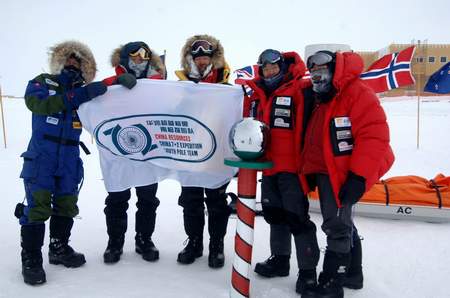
3	117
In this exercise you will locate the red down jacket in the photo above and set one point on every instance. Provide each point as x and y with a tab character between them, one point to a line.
278	110
355	107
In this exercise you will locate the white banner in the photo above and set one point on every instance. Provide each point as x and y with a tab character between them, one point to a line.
163	129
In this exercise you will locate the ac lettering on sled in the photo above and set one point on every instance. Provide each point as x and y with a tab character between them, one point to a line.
404	210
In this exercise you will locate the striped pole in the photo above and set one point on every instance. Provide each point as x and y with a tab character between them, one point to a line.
245	209
243	241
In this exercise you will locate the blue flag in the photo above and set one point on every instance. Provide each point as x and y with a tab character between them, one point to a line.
439	82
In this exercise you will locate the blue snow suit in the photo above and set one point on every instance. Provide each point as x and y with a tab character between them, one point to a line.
52	168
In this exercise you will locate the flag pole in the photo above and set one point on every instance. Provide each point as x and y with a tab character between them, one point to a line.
3	116
418	96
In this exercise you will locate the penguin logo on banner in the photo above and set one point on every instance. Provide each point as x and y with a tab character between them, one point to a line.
131	139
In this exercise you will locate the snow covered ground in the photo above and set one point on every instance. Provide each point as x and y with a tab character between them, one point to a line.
401	258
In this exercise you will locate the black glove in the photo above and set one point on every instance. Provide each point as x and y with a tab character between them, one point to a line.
127	80
78	96
352	190
95	89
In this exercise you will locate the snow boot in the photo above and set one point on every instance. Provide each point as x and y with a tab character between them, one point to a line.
114	250
116	224
307	280
193	250
32	271
275	265
60	252
32	239
216	258
332	277
354	278
146	248
147	204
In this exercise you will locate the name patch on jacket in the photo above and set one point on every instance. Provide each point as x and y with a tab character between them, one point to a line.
281	114
52	120
283	101
50	82
341	136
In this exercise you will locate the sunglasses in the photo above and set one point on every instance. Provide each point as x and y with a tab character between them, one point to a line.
269	57
141	52
201	45
319	58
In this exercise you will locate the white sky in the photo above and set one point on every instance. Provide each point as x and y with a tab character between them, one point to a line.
245	28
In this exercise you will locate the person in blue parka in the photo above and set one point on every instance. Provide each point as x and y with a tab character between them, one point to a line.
52	169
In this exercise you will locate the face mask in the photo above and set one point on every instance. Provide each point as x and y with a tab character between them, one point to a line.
72	74
322	80
138	68
273	82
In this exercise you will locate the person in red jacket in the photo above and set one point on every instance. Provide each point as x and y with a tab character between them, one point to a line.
346	150
275	100
134	60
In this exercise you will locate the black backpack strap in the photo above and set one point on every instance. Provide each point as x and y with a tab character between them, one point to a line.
438	192
386	190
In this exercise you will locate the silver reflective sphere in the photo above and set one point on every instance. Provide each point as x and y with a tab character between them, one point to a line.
248	138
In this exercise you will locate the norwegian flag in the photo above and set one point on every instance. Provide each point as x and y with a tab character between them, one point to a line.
391	71
246	74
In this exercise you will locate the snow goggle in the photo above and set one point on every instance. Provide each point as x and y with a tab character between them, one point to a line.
201	45
141	52
319	58
269	57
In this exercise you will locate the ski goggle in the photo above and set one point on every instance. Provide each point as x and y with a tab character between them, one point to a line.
141	52
269	57
201	45
319	58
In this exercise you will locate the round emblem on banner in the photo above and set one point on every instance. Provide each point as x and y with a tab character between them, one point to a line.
132	139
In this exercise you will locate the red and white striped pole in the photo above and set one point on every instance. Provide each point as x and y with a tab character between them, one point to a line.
245	209
243	241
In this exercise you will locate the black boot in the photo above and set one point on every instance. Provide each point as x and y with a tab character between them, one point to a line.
193	250
275	265
218	213
116	224
354	278
32	271
146	248
147	203
60	252
113	251
32	239
307	280
332	277
216	258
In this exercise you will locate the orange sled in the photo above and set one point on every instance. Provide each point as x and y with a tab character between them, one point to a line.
404	197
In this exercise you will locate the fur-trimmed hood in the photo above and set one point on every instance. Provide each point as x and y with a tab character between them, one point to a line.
59	54
217	59
155	60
